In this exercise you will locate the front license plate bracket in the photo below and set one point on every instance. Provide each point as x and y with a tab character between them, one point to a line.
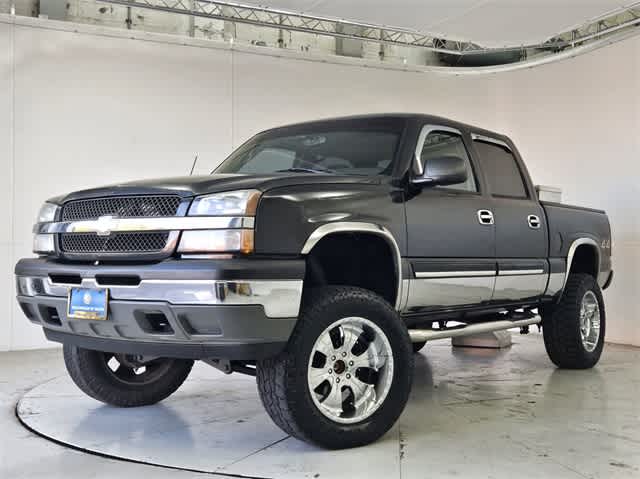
88	303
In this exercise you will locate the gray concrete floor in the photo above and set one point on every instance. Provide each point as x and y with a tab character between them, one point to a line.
473	413
26	455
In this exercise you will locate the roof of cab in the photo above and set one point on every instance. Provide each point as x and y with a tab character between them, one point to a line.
419	117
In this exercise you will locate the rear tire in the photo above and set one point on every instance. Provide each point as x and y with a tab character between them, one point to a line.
574	328
123	381
315	396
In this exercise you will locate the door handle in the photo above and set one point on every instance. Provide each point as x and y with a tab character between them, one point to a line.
485	217
534	222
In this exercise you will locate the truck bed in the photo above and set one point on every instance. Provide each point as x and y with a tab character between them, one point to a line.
566	223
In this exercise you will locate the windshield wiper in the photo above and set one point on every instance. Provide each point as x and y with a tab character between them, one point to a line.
303	170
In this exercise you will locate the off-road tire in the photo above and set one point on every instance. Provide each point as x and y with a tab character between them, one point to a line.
417	347
561	325
89	371
282	380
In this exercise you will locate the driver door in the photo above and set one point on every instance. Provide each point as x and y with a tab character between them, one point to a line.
451	233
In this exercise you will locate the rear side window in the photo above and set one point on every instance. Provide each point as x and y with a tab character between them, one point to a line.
502	171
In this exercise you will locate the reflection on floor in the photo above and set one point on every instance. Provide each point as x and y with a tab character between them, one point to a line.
473	413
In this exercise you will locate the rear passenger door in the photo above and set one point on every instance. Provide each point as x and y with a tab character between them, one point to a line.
450	231
520	225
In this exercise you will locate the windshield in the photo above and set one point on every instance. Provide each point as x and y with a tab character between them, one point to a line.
341	147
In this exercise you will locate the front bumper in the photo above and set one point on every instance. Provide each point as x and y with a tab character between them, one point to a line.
241	309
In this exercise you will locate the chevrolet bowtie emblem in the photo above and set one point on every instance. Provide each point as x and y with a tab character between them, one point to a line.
105	225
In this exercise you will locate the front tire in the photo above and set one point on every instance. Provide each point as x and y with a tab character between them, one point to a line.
574	328
124	380
345	375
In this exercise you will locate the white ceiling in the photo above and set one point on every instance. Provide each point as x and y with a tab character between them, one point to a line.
490	23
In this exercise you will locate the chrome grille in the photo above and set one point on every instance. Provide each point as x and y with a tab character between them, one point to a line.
121	206
91	243
123	243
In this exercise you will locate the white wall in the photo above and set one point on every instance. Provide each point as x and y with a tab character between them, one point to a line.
6	184
91	109
270	91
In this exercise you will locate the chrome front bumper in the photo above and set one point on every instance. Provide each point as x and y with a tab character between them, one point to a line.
278	298
175	308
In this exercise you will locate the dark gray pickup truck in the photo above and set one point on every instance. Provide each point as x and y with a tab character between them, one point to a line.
318	257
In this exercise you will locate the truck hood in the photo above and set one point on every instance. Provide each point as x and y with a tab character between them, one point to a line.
188	186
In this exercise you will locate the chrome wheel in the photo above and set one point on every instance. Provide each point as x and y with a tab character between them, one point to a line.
589	321
350	370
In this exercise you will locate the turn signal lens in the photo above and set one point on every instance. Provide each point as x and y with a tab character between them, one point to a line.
246	241
43	244
217	241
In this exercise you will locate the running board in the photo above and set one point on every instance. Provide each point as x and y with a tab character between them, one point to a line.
420	335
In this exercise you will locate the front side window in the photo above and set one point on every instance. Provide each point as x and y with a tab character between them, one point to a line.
360	148
501	168
445	143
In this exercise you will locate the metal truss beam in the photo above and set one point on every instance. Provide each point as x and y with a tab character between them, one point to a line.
613	22
264	17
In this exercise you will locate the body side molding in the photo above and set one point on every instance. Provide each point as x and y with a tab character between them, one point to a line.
360	227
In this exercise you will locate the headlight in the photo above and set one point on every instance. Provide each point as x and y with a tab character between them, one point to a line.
47	213
232	240
242	202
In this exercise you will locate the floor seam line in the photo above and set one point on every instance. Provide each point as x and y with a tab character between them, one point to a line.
254	453
122	459
551	459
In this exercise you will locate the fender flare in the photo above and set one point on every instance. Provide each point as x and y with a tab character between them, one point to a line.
571	254
360	227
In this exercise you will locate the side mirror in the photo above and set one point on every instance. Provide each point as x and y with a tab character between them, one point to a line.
443	170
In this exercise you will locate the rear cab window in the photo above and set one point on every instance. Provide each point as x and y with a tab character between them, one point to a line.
501	168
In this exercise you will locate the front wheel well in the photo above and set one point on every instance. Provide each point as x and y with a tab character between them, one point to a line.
364	260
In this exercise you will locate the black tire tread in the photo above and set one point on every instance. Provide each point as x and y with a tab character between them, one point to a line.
277	385
271	388
561	326
82	365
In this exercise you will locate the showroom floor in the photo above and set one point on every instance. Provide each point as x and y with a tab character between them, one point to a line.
473	413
